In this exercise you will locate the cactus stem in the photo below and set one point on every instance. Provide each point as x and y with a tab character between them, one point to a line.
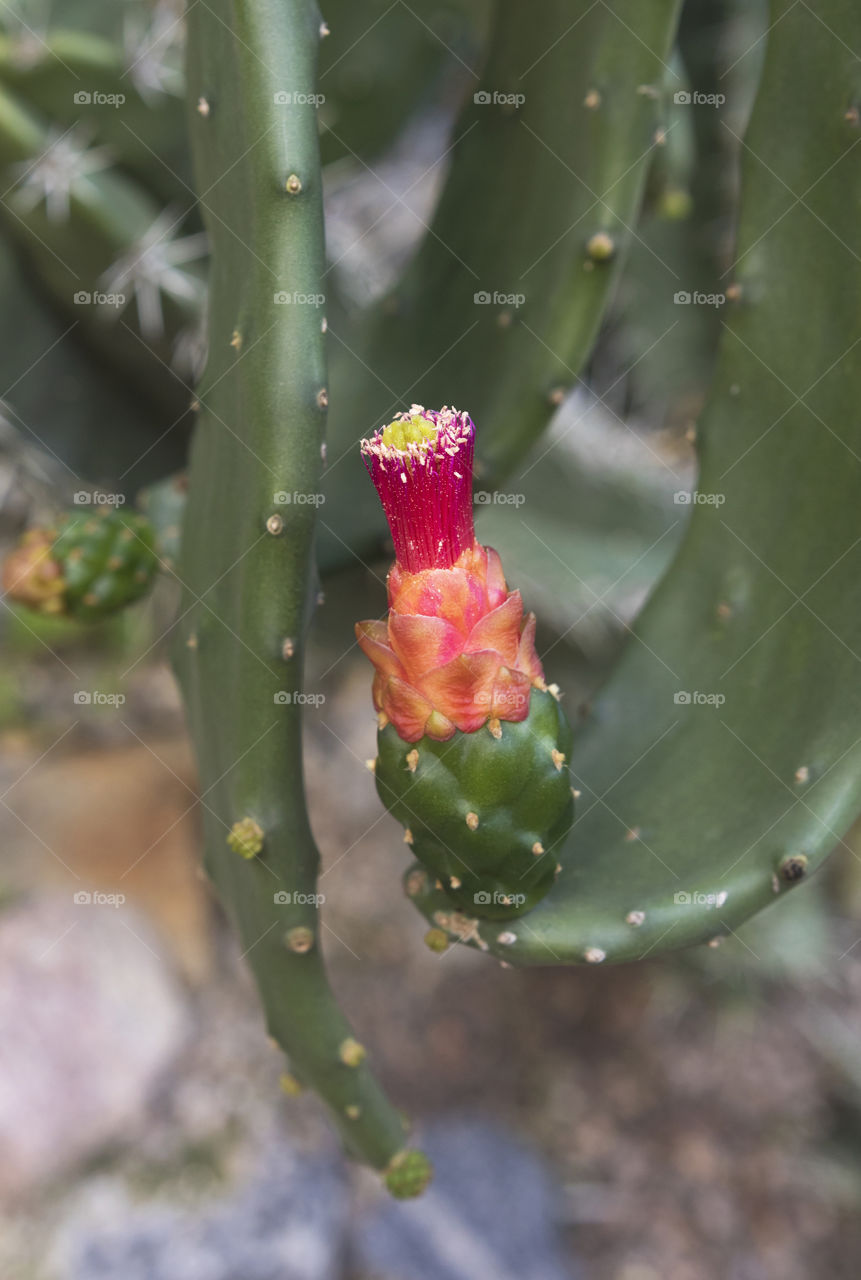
635	918
472	821
412	758
246	838
288	649
274	525
594	955
558	758
351	1053
538	848
300	939
293	185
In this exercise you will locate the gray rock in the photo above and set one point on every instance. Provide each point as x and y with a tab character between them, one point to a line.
90	1017
286	1223
490	1211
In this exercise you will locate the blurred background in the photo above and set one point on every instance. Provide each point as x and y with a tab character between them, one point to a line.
691	1117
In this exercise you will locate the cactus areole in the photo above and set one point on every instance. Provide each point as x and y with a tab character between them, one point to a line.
472	744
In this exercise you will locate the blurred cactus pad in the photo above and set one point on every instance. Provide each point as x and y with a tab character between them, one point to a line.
625	237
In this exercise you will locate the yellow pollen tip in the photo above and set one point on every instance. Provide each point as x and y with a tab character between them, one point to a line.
401	434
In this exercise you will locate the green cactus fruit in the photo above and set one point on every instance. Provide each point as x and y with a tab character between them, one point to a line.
90	566
485	811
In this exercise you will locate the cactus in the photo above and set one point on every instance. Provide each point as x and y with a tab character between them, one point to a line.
720	764
695	814
558	178
91	565
92	233
472	746
246	562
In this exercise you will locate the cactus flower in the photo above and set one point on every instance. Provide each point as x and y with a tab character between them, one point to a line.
457	650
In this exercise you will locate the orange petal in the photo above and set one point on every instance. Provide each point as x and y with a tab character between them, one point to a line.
510	699
463	689
499	630
423	644
495	579
527	657
406	708
373	638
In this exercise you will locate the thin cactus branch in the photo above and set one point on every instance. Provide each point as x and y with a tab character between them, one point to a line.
246	560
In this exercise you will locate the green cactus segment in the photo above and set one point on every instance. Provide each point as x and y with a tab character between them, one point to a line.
90	566
500	312
696	813
246	559
485	812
